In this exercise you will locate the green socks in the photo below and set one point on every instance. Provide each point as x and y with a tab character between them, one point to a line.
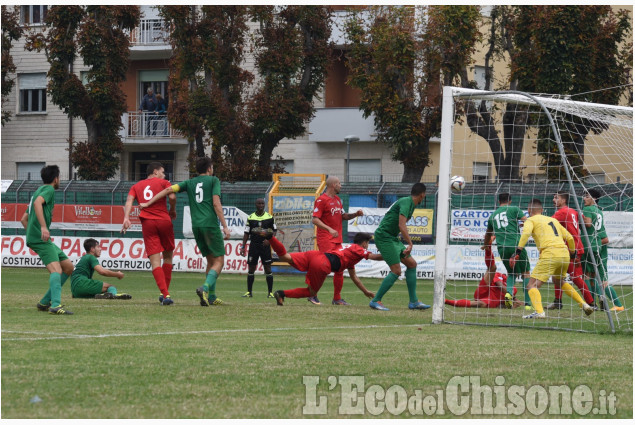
612	295
47	297
386	284
210	283
525	283
411	282
55	289
511	280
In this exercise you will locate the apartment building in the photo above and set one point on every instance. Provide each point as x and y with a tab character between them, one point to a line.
39	131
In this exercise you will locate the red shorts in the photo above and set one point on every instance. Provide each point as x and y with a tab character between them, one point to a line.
316	266
158	235
328	245
492	296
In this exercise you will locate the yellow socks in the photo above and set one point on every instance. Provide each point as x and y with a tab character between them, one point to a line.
568	289
536	299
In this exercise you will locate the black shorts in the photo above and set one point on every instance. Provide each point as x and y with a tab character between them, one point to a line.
259	252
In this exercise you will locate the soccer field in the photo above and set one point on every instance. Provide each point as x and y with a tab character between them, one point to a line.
253	359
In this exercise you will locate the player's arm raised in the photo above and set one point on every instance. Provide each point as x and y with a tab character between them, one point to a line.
165	192
218	207
108	273
404	233
350	216
359	283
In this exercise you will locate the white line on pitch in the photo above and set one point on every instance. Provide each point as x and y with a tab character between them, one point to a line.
217	331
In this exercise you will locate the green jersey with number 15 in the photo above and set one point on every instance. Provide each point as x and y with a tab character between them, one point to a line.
504	223
200	191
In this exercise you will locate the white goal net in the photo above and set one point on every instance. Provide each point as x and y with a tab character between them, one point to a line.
513	148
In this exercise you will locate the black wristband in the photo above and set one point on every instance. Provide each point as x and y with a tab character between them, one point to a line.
519	251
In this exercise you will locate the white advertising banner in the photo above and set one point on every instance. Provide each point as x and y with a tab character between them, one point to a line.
235	218
464	262
619	228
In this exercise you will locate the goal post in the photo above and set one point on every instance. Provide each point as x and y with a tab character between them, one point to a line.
532	146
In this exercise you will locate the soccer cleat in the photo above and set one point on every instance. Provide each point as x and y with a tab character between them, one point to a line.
279	296
588	310
123	297
248	295
418	306
555	305
314	300
43	307
509	300
616	308
217	301
161	299
270	295
377	305
104	296
535	315
203	296
167	301
59	310
340	302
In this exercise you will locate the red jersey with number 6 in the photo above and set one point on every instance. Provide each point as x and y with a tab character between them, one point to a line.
568	217
145	190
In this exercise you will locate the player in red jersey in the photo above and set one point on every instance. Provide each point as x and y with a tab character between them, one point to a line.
491	289
156	226
319	264
328	215
569	219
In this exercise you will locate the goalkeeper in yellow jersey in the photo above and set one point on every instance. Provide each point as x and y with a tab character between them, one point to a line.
554	259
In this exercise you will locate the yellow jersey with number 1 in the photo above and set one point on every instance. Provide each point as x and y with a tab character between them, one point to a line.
548	234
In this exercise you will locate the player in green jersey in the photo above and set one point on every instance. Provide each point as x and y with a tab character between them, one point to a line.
393	250
503	224
594	224
206	211
82	283
37	222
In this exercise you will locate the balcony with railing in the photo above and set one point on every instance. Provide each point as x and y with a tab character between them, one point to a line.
150	40
147	127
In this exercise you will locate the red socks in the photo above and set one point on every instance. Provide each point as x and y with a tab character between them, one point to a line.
277	247
586	294
459	303
167	273
338	283
160	279
489	258
297	293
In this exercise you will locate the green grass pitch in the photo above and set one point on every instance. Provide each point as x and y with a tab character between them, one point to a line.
247	359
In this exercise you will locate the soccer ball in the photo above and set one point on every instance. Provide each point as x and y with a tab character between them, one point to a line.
457	183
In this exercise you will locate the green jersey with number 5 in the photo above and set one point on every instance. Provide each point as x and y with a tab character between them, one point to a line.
504	223
200	191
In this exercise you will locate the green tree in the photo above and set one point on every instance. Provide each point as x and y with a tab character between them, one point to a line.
212	92
567	50
11	31
398	58
98	34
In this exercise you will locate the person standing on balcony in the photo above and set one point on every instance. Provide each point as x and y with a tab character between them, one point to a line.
148	107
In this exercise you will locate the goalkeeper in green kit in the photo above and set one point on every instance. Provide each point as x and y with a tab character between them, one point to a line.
503	224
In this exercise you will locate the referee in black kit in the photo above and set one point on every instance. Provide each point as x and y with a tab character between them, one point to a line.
259	225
